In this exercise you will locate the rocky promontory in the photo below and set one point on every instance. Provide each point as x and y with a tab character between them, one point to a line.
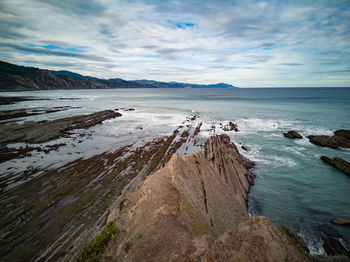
194	209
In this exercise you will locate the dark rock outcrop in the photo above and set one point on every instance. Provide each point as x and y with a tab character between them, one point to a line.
341	138
230	126
341	221
332	242
40	132
292	134
339	163
194	209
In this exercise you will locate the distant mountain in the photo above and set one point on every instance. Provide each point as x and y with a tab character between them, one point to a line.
155	84
69	73
21	78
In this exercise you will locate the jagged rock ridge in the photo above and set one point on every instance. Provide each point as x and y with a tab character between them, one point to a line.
194	209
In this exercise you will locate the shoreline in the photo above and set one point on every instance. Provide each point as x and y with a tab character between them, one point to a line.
182	140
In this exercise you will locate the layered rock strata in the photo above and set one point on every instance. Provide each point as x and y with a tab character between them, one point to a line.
194	209
339	163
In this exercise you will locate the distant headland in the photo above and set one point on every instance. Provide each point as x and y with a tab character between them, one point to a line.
21	78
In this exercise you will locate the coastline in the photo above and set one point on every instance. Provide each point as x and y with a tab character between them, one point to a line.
95	166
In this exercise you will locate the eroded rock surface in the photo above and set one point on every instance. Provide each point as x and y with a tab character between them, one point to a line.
339	163
341	138
292	134
51	211
39	132
194	209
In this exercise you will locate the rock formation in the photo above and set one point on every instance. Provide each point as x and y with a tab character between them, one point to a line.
341	221
341	138
292	134
230	126
194	209
39	132
339	163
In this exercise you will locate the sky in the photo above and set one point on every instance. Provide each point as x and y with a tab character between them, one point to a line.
243	43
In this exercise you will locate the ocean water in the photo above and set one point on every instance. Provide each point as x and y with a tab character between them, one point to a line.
292	185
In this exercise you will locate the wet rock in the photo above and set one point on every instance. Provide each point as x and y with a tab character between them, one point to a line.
292	134
54	146
8	100
129	109
244	148
40	132
341	221
7	154
17	113
341	138
333	242
339	163
198	129
192	118
230	126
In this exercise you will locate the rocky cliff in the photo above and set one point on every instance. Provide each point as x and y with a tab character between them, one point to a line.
194	209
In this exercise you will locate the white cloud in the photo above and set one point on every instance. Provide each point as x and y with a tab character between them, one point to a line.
246	43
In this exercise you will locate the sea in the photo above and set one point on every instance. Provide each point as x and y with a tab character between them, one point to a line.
292	185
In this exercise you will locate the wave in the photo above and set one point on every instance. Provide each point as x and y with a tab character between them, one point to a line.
253	125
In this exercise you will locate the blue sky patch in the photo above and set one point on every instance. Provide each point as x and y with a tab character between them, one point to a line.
182	25
55	47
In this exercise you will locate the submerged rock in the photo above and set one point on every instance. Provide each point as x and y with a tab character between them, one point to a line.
194	209
341	221
339	163
292	134
341	138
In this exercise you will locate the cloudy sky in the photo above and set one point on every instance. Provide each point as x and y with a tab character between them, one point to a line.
244	43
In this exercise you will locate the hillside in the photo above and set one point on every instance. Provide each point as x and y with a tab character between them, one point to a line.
21	78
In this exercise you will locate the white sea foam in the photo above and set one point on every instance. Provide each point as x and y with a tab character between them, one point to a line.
317	131
314	245
154	119
256	154
282	161
294	150
302	142
252	125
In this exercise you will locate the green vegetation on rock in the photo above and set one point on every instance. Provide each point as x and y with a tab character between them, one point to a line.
127	246
295	240
93	250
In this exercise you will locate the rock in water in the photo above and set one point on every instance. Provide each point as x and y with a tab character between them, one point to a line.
339	163
341	221
333	244
293	134
231	126
341	138
194	209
